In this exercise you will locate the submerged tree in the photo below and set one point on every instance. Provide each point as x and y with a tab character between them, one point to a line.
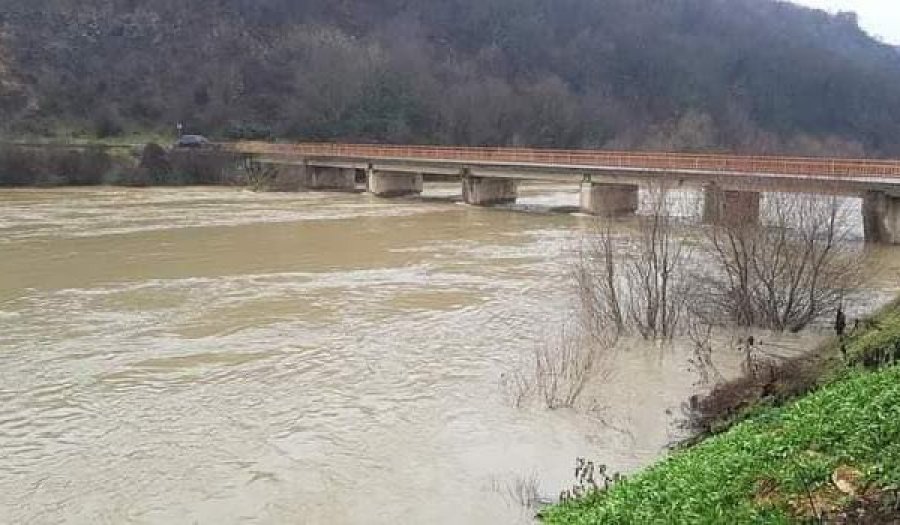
560	367
636	284
796	264
259	176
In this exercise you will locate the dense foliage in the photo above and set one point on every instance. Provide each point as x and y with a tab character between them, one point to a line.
747	75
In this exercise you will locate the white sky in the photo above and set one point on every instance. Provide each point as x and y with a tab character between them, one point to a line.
881	18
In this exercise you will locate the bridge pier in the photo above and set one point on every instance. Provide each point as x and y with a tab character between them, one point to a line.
730	208
482	191
881	217
394	183
609	199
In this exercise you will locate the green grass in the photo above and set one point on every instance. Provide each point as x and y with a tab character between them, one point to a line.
766	468
878	343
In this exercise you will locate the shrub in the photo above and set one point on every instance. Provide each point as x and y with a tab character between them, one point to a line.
20	166
878	343
108	124
249	131
155	165
34	166
204	167
81	168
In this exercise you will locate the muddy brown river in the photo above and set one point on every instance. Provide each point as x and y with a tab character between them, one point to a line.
220	356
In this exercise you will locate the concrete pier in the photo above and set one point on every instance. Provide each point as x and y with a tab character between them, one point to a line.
609	199
394	184
480	191
881	217
731	208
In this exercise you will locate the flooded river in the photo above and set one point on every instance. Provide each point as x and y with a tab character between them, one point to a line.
219	356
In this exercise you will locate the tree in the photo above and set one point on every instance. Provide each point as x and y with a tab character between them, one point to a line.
155	163
749	75
636	284
796	264
259	176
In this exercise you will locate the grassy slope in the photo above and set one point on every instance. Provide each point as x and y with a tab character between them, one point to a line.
768	467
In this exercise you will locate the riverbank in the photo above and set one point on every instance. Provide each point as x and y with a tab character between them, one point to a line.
830	454
93	164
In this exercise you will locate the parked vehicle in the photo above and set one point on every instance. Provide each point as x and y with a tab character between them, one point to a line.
192	141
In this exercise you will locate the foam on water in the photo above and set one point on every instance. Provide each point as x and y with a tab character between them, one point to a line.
199	355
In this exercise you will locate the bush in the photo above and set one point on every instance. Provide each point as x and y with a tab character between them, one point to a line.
249	131
203	166
108	124
39	166
32	166
20	166
873	343
81	168
766	381
876	342
155	165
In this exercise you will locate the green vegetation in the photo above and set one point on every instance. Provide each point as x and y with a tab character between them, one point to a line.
746	75
829	453
879	343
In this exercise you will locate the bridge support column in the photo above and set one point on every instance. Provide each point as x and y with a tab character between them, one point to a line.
609	199
482	191
730	208
394	183
881	217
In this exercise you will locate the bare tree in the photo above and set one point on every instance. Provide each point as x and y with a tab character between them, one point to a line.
259	176
793	266
636	284
560	368
701	337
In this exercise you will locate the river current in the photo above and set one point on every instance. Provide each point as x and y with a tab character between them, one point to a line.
220	356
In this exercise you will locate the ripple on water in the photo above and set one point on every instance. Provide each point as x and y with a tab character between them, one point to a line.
90	213
344	373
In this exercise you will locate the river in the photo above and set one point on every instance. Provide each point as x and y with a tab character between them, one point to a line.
214	355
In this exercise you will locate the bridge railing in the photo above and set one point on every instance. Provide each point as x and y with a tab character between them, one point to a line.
734	164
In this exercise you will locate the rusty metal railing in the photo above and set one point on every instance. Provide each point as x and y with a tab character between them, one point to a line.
676	162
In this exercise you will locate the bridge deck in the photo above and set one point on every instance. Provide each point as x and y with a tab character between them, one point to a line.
818	168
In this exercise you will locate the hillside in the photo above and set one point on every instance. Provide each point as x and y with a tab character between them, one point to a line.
743	75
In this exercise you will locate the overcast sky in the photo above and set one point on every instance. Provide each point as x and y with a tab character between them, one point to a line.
881	18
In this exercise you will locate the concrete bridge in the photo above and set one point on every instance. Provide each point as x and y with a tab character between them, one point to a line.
609	180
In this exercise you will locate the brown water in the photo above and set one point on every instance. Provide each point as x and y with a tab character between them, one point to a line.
219	356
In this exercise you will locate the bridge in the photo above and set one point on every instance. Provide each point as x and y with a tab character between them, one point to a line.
610	180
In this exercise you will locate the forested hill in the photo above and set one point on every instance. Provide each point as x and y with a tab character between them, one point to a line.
744	75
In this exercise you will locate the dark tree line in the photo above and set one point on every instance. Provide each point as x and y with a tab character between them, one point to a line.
744	75
151	165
